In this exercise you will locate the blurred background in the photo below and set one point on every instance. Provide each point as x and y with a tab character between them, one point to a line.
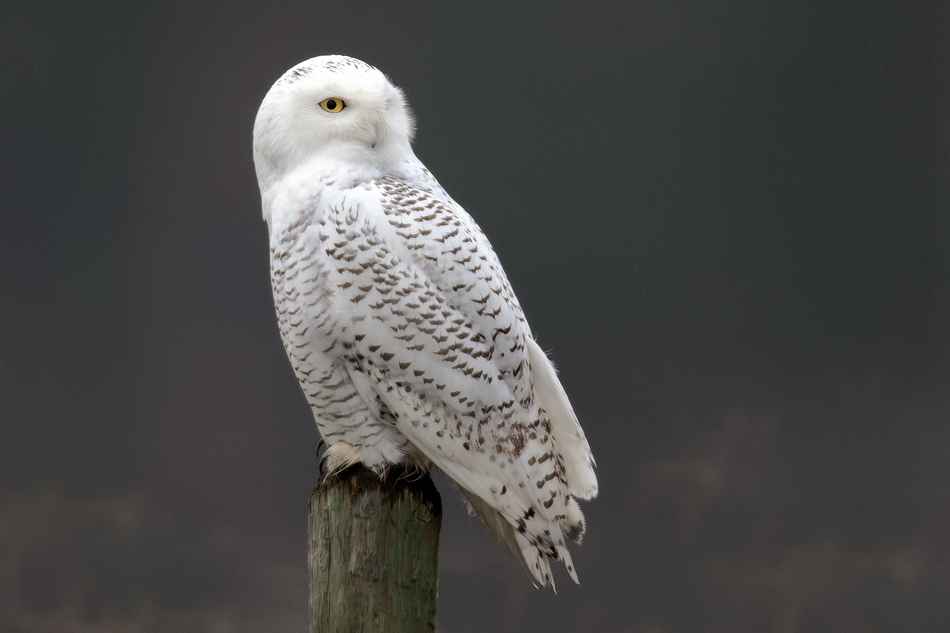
729	222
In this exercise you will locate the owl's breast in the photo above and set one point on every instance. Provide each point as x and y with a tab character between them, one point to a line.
311	329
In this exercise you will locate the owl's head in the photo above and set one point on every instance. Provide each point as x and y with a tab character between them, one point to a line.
335	108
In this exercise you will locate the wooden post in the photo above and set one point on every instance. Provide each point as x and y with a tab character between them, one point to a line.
374	547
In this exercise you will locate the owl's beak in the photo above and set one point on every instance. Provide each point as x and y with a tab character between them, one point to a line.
376	135
380	129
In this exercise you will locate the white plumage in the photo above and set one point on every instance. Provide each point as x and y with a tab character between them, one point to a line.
397	316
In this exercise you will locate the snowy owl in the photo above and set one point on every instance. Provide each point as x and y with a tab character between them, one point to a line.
398	319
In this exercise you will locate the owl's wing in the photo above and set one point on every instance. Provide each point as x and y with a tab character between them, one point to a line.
444	344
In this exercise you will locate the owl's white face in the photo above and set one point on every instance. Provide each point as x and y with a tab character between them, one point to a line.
333	108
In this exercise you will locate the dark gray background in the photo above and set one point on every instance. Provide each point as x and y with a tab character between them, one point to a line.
727	220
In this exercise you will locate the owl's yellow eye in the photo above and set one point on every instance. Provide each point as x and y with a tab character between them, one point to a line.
333	104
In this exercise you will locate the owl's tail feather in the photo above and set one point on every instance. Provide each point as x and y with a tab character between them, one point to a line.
534	558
